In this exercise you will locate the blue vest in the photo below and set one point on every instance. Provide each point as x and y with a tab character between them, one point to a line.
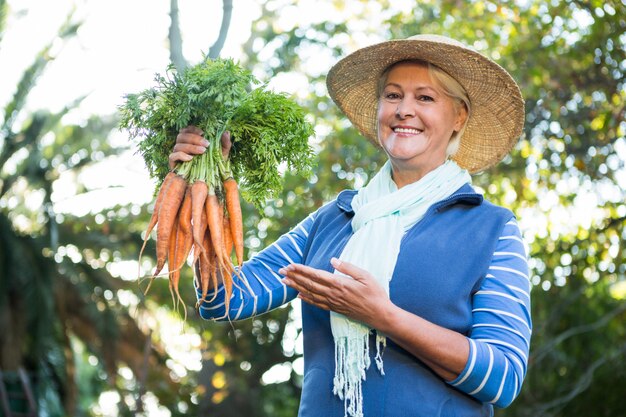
442	262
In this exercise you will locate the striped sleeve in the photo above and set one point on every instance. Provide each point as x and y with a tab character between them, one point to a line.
500	336
259	288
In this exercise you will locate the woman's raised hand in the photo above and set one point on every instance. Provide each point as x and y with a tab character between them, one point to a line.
190	142
357	296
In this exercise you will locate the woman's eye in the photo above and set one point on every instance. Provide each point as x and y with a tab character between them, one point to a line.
425	98
392	96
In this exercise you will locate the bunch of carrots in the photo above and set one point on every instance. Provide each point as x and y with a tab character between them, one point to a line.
197	212
192	217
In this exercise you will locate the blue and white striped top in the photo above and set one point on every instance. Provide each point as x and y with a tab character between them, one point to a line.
500	337
499	309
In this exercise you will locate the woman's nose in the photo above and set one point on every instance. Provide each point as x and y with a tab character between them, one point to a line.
405	109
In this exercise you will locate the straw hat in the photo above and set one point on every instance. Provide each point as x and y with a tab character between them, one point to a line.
497	107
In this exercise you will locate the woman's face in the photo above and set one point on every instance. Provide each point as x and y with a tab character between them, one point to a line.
416	120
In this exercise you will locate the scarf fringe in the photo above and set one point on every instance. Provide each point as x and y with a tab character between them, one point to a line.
381	344
352	360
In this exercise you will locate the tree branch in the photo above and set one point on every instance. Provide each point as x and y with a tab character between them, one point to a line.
581	384
216	48
176	39
583	328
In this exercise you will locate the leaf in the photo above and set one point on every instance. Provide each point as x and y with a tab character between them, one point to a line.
267	129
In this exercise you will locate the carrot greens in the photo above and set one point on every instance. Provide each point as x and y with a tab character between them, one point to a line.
267	128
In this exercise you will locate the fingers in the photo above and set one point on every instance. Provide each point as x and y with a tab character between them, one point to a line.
184	152
191	135
312	284
189	142
301	277
313	299
176	157
192	129
348	269
226	144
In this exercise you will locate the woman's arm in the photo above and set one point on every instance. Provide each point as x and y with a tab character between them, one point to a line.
258	288
489	364
500	336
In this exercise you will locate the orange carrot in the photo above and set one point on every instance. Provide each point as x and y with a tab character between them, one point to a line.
199	192
213	276
171	261
228	237
201	278
168	211
214	219
199	249
183	242
184	224
155	212
227	279
234	211
207	267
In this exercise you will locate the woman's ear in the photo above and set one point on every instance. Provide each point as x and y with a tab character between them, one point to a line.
461	117
378	125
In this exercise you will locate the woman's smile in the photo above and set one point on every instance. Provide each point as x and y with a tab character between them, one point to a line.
406	131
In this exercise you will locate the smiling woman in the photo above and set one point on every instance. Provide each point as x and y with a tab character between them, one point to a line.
374	267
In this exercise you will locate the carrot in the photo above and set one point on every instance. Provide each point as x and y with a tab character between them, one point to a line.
227	280
234	211
207	267
199	192
199	249
213	277
155	212
201	278
171	261
182	242
215	222
168	210
228	237
184	227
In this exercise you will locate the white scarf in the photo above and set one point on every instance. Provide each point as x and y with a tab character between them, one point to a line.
382	215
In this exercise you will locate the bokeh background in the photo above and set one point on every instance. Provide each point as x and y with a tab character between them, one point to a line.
75	196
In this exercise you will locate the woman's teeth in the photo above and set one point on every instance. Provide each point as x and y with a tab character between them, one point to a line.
405	130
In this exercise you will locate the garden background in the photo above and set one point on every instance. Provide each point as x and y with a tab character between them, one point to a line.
75	196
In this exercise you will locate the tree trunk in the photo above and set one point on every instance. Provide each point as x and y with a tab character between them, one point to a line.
175	38
12	335
216	48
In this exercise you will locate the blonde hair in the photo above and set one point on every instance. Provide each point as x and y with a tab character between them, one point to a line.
450	87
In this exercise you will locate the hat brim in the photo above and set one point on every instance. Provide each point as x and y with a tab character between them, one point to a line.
497	106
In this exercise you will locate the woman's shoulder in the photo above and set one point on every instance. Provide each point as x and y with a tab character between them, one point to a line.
469	197
337	210
495	208
341	203
469	207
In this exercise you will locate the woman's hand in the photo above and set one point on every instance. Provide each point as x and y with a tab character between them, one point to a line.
357	296
190	142
445	351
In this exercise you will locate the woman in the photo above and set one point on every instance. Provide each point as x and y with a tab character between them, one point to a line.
416	264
